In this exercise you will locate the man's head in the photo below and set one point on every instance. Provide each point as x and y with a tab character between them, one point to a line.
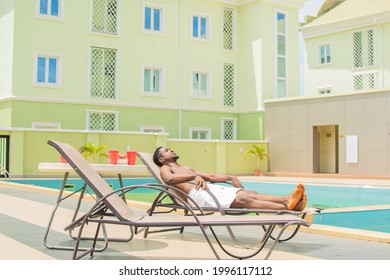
163	156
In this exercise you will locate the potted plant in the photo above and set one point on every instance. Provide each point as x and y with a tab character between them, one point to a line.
260	152
93	151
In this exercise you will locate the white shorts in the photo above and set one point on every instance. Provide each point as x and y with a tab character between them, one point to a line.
225	196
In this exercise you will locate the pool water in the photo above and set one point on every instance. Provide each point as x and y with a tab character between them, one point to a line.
329	196
374	220
318	195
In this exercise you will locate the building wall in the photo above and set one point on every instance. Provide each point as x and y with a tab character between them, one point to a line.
6	47
340	72
289	128
28	148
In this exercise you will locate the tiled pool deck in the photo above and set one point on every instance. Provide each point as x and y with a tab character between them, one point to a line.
25	211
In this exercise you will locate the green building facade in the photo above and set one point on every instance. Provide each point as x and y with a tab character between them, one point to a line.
191	69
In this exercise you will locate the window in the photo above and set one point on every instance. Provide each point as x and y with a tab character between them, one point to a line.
152	80
228	84
229	32
47	70
325	90
49	8
104	16
200	81
103	73
281	54
200	133
363	49
153	18
45	125
200	27
324	54
102	121
152	129
229	129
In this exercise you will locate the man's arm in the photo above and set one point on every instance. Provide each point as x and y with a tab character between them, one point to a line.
214	178
171	178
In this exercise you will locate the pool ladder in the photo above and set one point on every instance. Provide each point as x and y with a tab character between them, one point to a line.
4	172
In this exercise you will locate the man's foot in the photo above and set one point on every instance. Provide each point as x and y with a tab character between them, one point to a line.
301	204
300	186
295	197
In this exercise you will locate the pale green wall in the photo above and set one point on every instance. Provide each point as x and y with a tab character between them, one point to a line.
5	113
6	47
216	156
28	148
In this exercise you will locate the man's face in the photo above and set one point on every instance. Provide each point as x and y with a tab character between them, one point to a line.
167	155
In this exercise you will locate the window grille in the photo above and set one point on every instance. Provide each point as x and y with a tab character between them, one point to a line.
228	84
104	16
364	81
103	73
363	49
229	129
228	29
102	121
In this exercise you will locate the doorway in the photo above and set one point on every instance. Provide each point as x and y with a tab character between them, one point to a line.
325	149
4	156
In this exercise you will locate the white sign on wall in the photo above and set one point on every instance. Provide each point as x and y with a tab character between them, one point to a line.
352	149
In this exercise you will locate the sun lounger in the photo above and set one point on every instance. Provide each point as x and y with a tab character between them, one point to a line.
110	200
165	201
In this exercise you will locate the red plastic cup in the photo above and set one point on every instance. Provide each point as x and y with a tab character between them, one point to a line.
113	156
62	159
131	158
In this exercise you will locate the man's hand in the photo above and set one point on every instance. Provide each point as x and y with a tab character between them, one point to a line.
200	183
236	183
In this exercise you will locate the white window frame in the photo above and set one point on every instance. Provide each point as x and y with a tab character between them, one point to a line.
234	35
205	130
152	129
107	33
161	82
60	15
48	55
365	55
285	56
46	125
88	112
234	128
325	47
325	90
208	26
162	19
234	85
117	60
208	83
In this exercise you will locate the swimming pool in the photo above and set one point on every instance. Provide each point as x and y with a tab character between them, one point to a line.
318	195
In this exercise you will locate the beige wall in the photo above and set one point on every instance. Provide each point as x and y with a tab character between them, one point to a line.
289	126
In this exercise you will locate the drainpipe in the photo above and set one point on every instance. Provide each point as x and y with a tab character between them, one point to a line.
179	62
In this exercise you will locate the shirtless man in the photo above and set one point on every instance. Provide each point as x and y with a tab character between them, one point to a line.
193	182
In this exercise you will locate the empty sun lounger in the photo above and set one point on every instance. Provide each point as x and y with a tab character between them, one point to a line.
110	200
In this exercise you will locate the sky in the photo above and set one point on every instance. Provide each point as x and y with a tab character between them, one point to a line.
311	7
